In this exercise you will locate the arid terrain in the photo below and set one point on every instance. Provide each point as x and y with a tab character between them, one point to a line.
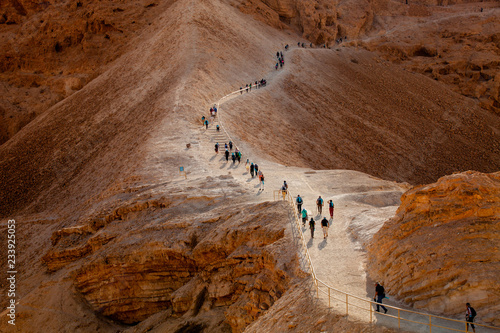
101	104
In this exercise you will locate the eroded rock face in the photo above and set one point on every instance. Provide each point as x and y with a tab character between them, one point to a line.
441	249
232	265
52	49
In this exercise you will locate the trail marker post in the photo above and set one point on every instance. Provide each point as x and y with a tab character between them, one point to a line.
182	171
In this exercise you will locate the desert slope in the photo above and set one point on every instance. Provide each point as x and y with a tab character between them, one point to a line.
347	109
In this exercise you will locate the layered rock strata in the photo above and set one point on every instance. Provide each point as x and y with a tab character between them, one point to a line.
239	262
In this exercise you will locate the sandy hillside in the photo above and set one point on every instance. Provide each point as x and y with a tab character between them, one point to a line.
105	218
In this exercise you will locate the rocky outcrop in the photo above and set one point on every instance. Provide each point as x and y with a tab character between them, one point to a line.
233	265
441	249
319	21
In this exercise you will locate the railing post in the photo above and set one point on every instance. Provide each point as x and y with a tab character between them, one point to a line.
430	324
346	305
328	296
399	320
371	311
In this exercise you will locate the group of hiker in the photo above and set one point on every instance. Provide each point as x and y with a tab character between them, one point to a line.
213	114
228	151
253	169
256	84
281	60
325	224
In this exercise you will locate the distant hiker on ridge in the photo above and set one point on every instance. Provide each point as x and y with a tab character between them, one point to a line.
227	155
217	148
252	169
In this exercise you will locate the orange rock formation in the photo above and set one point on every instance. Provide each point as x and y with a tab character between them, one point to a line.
442	249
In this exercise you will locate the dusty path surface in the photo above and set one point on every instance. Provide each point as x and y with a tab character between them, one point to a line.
362	202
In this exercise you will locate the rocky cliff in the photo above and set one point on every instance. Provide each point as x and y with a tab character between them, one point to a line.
193	260
442	249
50	49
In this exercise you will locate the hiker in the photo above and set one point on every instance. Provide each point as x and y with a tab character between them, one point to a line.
285	184
379	296
203	119
470	313
247	165
238	156
250	86
286	47
233	158
281	55
218	128
256	168
276	66
252	169
241	90
324	225
217	148
257	84
230	145
298	44
319	203
246	87
304	217
311	226
261	178
206	124
277	54
225	146
227	155
259	173
281	64
332	207
283	191
299	203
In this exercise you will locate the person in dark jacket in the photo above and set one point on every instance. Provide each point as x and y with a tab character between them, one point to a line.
311	226
324	226
379	296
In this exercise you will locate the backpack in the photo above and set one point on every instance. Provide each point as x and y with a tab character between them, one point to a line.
473	312
261	178
299	200
331	204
